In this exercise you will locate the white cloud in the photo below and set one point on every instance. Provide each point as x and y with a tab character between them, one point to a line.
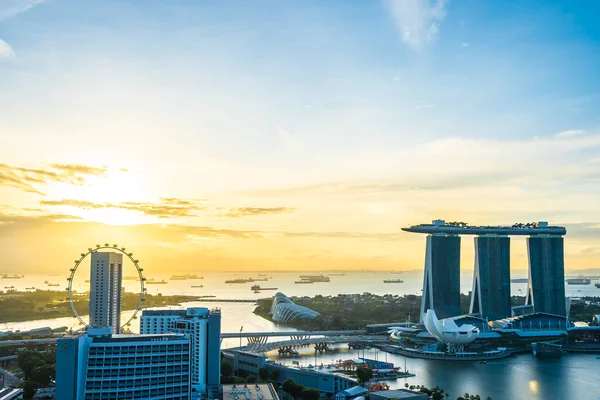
10	8
570	133
417	20
6	50
464	44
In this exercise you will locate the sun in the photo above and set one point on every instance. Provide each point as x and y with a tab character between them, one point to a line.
99	197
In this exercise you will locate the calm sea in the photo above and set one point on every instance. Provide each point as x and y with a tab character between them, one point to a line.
517	378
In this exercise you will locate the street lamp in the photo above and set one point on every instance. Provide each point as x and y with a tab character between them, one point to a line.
241	329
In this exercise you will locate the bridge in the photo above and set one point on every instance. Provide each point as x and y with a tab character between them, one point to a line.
252	337
301	341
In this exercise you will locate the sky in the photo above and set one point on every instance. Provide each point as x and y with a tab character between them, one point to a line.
245	135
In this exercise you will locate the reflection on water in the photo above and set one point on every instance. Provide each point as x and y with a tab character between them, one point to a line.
523	377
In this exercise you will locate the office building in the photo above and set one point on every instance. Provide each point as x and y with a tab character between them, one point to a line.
546	287
491	281
105	290
204	328
441	283
99	365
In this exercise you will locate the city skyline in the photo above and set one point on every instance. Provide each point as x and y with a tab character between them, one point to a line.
293	136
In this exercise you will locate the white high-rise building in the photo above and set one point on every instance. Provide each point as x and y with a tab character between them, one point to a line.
105	290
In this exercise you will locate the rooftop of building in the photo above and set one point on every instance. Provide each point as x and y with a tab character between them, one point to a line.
353	391
399	394
258	391
440	226
191	312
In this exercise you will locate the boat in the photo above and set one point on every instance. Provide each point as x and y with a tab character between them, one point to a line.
5	276
9	287
178	278
197	286
54	284
519	280
303	281
393	281
153	282
193	276
30	288
258	288
241	280
547	349
579	281
336	274
315	278
597	285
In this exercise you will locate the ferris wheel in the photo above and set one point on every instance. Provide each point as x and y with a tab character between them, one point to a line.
136	263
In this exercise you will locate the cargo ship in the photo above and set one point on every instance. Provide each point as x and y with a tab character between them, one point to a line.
315	278
153	282
5	276
546	349
258	288
239	280
579	281
393	281
303	281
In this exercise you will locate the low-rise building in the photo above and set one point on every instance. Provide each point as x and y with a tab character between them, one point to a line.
258	391
400	394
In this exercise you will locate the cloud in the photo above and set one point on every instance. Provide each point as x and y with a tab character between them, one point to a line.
166	208
10	8
27	179
346	235
6	50
570	133
253	211
417	20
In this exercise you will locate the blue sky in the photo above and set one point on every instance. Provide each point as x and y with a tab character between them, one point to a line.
388	111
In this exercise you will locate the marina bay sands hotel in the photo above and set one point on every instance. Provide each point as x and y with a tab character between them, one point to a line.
490	296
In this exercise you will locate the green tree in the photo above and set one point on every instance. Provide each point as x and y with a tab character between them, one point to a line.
27	360
364	374
251	379
43	374
29	388
226	369
296	390
263	374
287	386
310	394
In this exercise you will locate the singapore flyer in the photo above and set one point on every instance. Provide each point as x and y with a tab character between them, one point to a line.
113	248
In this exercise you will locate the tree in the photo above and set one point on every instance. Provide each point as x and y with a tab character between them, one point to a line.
364	374
297	390
251	379
43	374
226	369
28	359
287	386
310	394
29	388
263	374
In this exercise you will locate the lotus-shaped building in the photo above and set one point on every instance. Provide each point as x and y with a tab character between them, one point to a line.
285	310
446	331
